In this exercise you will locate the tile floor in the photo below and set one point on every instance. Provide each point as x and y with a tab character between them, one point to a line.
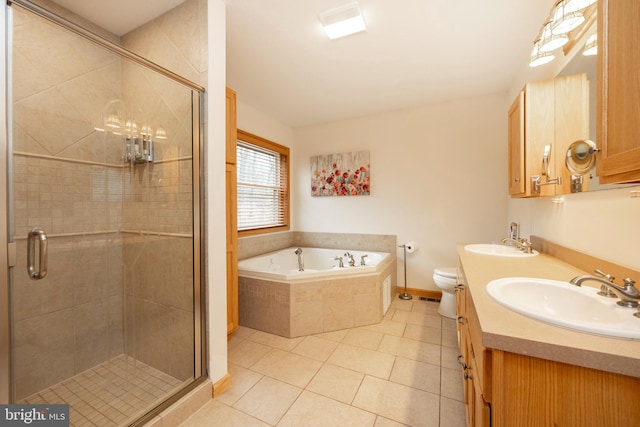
402	371
109	394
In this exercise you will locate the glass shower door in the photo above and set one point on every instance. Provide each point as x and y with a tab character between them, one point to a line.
104	294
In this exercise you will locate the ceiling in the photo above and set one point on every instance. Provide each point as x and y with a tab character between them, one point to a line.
414	52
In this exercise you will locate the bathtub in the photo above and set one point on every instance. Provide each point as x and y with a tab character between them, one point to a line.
318	262
273	296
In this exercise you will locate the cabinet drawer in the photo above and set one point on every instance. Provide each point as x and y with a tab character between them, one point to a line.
481	354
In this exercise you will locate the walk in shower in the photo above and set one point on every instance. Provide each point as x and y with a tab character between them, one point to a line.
104	216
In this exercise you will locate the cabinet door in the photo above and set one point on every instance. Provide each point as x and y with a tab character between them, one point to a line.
516	147
232	133
618	130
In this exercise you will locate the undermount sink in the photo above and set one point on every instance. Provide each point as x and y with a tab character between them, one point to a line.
497	250
563	304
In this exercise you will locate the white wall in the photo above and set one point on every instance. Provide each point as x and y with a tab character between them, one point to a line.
216	193
438	177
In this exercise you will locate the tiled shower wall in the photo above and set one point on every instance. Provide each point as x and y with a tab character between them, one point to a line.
112	227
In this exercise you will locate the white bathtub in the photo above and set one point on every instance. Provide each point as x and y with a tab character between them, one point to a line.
282	265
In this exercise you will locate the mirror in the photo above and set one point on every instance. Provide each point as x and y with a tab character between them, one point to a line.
587	64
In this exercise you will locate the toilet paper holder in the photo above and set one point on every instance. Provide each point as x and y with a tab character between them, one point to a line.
409	247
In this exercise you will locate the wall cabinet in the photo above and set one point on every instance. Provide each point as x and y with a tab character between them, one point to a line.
231	210
551	113
504	389
618	127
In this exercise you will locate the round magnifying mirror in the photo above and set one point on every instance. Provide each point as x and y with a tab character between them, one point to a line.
581	156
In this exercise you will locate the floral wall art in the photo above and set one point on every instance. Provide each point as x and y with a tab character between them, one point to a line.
343	174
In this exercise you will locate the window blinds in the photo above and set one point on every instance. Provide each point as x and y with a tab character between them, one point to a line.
261	187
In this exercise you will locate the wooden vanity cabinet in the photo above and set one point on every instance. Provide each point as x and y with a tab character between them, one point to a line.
618	127
474	360
549	112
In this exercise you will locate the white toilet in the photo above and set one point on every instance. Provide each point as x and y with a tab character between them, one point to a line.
445	278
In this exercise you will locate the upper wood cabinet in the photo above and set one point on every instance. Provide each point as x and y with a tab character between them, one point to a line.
618	127
551	113
232	132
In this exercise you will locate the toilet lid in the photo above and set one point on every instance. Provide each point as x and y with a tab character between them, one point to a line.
450	272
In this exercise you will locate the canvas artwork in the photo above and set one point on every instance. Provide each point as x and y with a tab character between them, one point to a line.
343	174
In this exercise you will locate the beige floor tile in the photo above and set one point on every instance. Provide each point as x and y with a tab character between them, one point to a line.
385	422
451	384
449	357
215	413
363	338
387	326
315	348
423	376
450	338
290	368
334	335
363	360
242	380
268	400
313	410
401	305
423	333
449	324
425	307
418	318
336	382
411	349
286	344
243	332
247	353
398	402
451	413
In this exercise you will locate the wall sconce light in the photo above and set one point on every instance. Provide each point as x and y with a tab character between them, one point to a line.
343	21
539	58
591	46
565	20
550	41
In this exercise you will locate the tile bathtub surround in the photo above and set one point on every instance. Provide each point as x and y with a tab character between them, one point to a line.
262	244
399	372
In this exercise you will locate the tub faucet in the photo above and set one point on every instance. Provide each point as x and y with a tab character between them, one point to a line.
352	261
362	262
629	294
340	264
298	252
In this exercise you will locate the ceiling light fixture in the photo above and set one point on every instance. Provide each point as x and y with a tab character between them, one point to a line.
591	46
565	20
343	21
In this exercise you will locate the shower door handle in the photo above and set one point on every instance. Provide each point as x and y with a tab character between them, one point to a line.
41	236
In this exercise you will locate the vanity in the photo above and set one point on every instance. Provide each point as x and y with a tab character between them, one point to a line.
523	372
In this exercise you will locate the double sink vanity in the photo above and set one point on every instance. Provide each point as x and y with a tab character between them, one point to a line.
537	350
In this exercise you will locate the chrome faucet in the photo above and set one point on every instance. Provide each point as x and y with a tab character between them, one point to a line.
523	244
362	261
352	261
340	263
629	294
298	252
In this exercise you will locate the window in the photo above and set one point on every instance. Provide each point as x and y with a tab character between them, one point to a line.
263	185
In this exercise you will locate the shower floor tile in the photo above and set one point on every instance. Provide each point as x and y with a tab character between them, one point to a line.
109	394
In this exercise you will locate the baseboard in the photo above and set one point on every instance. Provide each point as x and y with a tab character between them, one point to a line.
221	385
420	292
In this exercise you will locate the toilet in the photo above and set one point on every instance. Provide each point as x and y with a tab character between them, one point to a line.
445	279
